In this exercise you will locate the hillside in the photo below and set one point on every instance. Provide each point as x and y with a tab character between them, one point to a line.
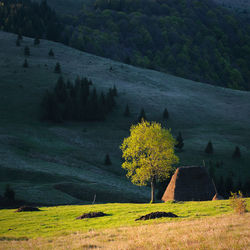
63	163
239	4
205	224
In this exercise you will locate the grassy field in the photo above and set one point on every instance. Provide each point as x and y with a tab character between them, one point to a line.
63	163
57	227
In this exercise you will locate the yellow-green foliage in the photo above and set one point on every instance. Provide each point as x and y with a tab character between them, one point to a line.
238	203
148	153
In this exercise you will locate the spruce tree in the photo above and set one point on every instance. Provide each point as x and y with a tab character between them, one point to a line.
142	115
114	91
127	111
57	68
179	141
165	114
36	41
20	37
26	51
17	42
51	53
221	186
9	193
25	64
107	161
236	153
209	148
229	185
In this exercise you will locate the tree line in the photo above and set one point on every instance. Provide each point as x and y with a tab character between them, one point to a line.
77	102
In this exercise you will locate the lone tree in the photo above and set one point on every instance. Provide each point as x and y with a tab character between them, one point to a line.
51	53
9	193
209	148
148	154
236	153
36	41
57	68
165	114
127	111
107	161
179	141
25	64
26	51
17	42
142	115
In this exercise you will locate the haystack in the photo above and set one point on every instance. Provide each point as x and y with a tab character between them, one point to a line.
190	184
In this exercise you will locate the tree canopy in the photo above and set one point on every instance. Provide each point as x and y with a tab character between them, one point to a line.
149	154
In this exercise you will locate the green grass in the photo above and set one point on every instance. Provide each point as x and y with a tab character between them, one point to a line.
74	152
61	220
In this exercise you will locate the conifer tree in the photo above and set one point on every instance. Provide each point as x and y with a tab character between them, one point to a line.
142	115
36	41
209	148
114	91
51	53
57	68
229	185
17	42
236	153
165	114
221	186
9	193
26	51
25	64
127	111
179	141
20	37
107	161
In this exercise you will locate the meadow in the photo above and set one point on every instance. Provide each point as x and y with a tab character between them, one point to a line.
200	225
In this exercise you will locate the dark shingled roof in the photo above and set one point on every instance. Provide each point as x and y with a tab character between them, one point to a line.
190	184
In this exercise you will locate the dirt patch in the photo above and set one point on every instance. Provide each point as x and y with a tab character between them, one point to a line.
91	215
156	215
27	209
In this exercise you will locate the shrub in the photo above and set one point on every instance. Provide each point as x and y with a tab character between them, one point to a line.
9	193
238	203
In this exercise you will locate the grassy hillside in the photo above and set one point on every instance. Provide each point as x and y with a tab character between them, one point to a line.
63	163
208	225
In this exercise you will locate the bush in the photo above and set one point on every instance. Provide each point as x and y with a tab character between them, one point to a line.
238	203
9	193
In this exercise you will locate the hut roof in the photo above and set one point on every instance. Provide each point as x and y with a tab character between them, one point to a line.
190	184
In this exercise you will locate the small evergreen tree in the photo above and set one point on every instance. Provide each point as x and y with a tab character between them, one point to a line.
142	115
114	91
51	53
127	111
179	141
107	161
57	68
20	37
36	41
229	185
17	42
25	64
26	51
165	114
221	186
209	148
9	193
236	153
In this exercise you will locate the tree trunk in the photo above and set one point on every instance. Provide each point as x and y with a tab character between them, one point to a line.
152	191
